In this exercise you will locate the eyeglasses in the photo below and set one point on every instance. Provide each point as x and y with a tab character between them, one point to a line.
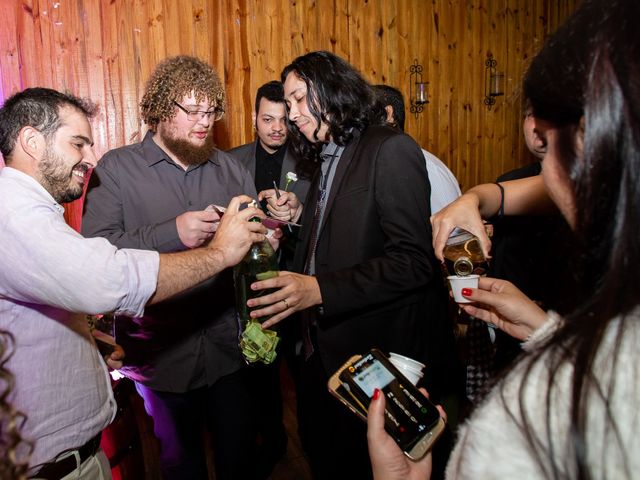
197	115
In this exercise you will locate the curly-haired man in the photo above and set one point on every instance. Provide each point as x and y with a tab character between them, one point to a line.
182	354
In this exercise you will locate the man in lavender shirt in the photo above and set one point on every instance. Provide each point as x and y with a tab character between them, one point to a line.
51	277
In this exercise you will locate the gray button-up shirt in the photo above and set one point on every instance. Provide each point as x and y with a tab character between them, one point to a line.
135	195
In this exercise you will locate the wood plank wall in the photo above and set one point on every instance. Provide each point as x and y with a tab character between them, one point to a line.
106	49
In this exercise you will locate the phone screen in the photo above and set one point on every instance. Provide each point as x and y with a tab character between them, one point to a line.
409	415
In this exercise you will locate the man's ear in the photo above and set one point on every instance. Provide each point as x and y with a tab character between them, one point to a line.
31	140
254	117
390	117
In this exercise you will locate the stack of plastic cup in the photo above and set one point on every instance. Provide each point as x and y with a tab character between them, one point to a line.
410	368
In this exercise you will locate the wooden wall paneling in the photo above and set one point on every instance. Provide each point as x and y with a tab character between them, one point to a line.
260	29
107	50
155	24
367	41
426	127
201	17
93	53
295	25
9	53
63	34
113	100
472	77
217	29
502	111
443	39
144	57
128	59
231	48
28	46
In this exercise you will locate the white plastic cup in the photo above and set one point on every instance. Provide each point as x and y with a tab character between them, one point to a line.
410	368
402	366
411	375
458	283
410	362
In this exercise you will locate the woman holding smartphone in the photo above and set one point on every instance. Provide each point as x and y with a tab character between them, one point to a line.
568	409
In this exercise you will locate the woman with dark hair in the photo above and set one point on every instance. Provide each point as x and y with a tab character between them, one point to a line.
569	408
14	451
366	275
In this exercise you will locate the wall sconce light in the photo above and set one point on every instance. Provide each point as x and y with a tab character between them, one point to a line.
493	81
418	94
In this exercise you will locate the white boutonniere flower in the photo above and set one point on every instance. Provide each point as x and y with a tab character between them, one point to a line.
290	177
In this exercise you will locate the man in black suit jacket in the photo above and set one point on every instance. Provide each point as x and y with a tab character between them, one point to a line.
269	159
368	276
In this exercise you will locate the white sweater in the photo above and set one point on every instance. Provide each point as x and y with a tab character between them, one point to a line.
492	445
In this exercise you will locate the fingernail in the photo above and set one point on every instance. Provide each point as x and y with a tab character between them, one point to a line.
376	394
466	292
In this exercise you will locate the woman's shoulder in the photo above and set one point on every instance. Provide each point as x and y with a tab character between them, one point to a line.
534	401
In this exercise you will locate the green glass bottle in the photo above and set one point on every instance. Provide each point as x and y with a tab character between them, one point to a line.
260	263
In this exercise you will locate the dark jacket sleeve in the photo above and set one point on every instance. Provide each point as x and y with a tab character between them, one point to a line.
378	235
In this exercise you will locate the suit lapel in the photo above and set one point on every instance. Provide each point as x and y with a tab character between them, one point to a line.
341	170
251	159
288	165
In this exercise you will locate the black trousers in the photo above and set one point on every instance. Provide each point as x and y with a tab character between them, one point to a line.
179	420
334	439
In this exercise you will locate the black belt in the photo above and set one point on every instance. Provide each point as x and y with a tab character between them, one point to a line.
60	468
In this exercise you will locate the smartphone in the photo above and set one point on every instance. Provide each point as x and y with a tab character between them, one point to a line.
342	391
410	418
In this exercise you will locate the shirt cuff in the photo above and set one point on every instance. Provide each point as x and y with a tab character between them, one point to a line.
143	267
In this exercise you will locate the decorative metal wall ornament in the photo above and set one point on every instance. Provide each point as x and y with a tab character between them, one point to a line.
493	81
418	95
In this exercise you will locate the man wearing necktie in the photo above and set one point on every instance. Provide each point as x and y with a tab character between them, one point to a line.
368	275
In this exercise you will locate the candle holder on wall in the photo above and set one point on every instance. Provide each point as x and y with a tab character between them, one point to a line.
418	95
493	81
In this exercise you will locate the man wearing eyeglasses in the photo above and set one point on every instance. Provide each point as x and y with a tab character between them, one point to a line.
183	353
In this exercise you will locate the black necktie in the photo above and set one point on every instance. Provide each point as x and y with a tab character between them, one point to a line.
308	316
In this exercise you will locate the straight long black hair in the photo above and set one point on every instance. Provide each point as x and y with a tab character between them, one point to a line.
338	96
585	83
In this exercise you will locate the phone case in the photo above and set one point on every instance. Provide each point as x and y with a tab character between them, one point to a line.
414	447
338	389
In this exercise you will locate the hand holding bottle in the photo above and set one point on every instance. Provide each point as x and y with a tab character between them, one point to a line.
236	233
292	292
462	213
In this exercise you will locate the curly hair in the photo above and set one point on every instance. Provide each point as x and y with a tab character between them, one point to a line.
174	78
14	450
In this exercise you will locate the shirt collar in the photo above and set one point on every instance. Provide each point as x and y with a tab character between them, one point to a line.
331	150
31	183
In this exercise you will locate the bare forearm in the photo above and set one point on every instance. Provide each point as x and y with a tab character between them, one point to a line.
180	271
486	197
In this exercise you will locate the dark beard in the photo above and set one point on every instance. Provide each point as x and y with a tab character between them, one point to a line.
187	153
56	179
